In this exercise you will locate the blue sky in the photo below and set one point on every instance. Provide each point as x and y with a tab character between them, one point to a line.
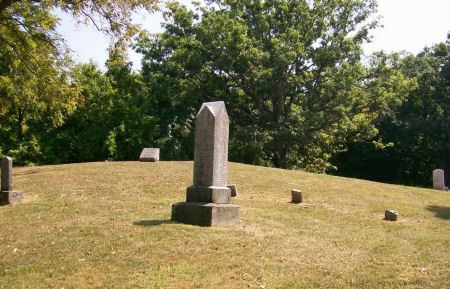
408	25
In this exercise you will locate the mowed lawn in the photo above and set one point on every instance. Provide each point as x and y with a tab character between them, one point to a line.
107	225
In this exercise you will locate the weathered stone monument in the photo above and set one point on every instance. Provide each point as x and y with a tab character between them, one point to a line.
297	196
149	155
390	215
208	200
438	180
7	195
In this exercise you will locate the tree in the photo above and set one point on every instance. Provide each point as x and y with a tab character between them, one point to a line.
417	131
29	25
82	137
290	72
111	119
34	97
134	122
35	88
426	111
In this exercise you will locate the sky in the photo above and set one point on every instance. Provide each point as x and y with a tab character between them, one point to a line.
408	25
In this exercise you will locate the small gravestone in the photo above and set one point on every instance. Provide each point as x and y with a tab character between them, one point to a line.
438	180
233	189
208	200
149	155
390	215
297	196
7	195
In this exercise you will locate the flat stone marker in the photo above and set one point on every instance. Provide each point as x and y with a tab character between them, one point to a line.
149	155
438	180
390	215
297	196
233	189
208	200
7	195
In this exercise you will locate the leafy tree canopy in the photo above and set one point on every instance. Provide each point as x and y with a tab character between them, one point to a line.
35	63
29	25
417	131
290	71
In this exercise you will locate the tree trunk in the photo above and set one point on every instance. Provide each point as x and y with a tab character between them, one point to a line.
280	158
20	118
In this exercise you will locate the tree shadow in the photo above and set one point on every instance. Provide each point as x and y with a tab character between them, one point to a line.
151	223
440	211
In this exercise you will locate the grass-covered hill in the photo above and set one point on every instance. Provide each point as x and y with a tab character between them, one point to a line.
107	225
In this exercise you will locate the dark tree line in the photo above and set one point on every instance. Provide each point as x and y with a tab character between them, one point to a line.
299	92
419	131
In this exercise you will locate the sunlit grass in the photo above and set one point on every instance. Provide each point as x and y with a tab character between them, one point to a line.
107	225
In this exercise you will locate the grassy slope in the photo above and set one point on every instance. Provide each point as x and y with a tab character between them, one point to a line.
106	225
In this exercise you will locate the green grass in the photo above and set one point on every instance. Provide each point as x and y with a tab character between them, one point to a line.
107	225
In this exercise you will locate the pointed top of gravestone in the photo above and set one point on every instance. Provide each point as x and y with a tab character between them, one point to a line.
211	145
214	107
7	158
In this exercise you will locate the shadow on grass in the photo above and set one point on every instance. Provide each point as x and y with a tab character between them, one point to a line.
440	211
151	223
30	172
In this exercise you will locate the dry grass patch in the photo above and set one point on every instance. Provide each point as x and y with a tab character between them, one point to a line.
107	225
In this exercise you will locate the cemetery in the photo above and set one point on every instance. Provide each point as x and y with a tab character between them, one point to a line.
108	224
120	224
224	144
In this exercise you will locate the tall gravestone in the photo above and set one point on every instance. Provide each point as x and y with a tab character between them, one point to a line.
438	180
7	195
6	174
208	200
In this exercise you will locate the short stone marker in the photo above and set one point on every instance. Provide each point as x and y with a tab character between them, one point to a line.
438	180
208	200
390	215
149	155
297	196
233	189
7	195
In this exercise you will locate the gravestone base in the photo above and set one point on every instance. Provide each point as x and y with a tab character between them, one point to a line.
212	194
390	215
10	197
205	214
297	196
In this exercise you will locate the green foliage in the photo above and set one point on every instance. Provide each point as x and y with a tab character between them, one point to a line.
418	131
134	127
36	94
111	118
29	153
290	72
34	90
298	92
81	137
